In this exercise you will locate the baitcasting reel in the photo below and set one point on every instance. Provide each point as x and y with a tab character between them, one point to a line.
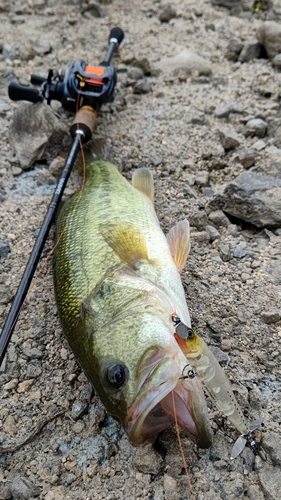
80	84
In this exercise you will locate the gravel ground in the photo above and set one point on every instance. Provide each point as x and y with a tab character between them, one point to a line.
170	123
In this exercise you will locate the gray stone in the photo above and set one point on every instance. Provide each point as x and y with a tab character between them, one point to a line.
256	126
4	106
235	45
36	134
5	492
251	50
239	252
42	46
259	145
225	252
198	219
229	138
213	232
270	479
269	35
218	218
252	197
135	73
270	316
224	111
94	9
276	61
6	294
272	445
247	158
168	12
23	489
78	409
230	4
33	353
147	460
4	248
142	87
184	62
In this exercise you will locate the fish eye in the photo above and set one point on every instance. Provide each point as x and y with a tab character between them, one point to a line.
117	375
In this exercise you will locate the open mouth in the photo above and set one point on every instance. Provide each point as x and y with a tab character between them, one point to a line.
162	396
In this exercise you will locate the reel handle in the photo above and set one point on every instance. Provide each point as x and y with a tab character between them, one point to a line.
22	93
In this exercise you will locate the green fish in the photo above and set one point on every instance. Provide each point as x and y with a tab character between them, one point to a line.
117	287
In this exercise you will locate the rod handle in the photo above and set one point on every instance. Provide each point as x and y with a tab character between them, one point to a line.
84	120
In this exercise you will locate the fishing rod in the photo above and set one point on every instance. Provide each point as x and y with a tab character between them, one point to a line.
82	89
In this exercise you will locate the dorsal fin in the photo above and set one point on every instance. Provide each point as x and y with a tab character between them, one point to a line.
179	242
143	181
125	241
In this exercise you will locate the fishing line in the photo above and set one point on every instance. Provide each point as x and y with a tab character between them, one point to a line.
181	449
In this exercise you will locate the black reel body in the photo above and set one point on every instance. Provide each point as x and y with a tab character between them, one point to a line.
80	84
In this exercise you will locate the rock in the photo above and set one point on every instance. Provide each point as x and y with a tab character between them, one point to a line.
225	252
269	35
33	353
142	63
135	73
25	385
272	445
56	493
251	50
235	45
276	61
218	218
230	4
9	426
36	134
12	384
94	9
259	145
247	158
5	492
4	106
78	409
147	460
257	127
23	489
184	62
168	12
170	487
198	219
6	294
229	138
4	248
142	87
224	111
252	197
270	316
239	252
213	232
270	479
42	46
220	355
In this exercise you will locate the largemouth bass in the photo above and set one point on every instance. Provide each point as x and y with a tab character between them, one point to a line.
117	287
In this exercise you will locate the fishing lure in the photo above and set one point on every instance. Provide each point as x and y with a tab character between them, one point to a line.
217	386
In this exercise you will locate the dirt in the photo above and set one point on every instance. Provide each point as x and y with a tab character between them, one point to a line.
232	283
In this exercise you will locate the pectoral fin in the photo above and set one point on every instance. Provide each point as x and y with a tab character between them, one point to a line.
179	242
143	181
125	241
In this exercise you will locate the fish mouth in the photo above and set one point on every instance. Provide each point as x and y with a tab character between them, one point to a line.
162	395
